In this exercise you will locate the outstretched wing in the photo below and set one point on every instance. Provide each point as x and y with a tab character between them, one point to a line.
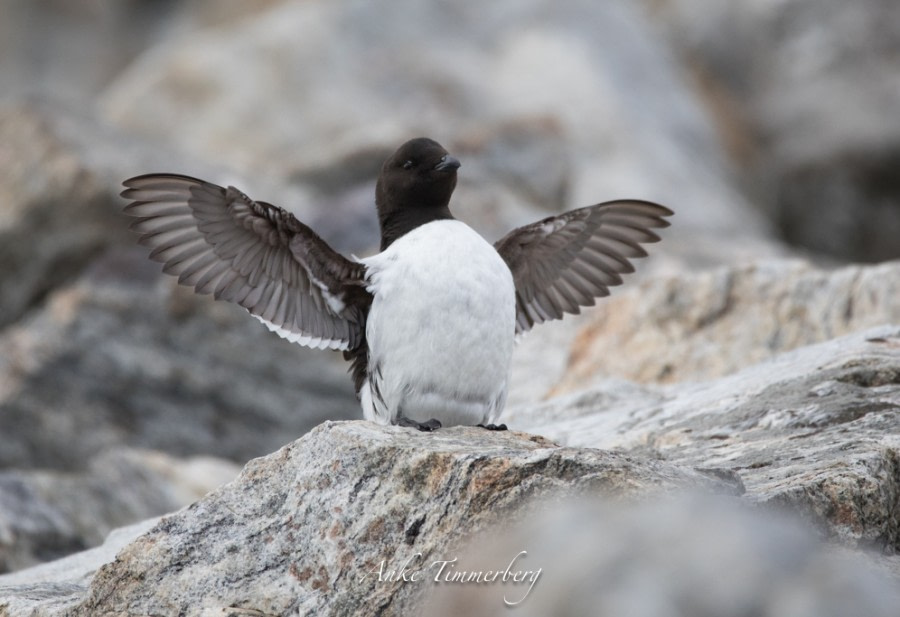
219	241
565	262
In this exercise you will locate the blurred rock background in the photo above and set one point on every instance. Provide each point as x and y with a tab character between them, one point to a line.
770	128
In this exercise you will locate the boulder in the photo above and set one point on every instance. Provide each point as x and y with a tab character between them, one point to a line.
123	357
74	50
327	524
810	89
61	171
315	527
532	97
54	587
816	429
698	326
56	214
684	557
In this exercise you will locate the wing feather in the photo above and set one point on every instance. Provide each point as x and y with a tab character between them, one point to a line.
219	241
565	262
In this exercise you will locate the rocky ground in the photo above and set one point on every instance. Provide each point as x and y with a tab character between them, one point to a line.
755	356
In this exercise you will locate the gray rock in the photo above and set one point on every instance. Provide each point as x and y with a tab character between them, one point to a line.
73	50
811	87
306	529
698	326
535	91
59	195
99	353
669	324
813	431
670	558
816	429
125	358
55	214
55	587
47	514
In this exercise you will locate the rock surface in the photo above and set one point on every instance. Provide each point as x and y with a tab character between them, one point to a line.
125	358
54	587
667	558
311	528
46	514
490	85
55	214
688	327
807	92
112	380
816	429
813	430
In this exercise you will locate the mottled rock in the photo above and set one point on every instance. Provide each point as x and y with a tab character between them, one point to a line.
698	326
307	529
310	528
816	429
671	558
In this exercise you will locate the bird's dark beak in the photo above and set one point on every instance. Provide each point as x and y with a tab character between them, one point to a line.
447	163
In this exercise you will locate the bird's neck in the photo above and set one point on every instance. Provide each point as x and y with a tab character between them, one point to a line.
398	222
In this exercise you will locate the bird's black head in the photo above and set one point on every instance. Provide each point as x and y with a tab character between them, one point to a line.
414	187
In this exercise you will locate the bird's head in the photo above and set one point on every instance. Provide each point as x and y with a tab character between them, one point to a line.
421	174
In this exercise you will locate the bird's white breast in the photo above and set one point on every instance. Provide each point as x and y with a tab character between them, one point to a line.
441	327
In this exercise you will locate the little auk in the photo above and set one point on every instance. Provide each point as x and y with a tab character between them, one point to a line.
429	322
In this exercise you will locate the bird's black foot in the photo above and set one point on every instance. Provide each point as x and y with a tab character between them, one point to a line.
427	426
493	427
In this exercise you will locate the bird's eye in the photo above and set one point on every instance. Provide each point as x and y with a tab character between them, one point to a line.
408	165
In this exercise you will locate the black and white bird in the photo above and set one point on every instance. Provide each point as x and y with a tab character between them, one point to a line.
429	322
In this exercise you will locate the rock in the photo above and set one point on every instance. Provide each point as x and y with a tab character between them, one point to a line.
60	175
54	587
55	215
99	353
698	326
704	557
125	358
666	325
47	514
534	91
816	429
813	88
72	51
306	529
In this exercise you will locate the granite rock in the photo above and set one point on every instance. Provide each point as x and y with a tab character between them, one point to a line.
54	587
314	527
816	429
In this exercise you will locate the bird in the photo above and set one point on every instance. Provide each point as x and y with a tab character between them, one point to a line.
429	322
